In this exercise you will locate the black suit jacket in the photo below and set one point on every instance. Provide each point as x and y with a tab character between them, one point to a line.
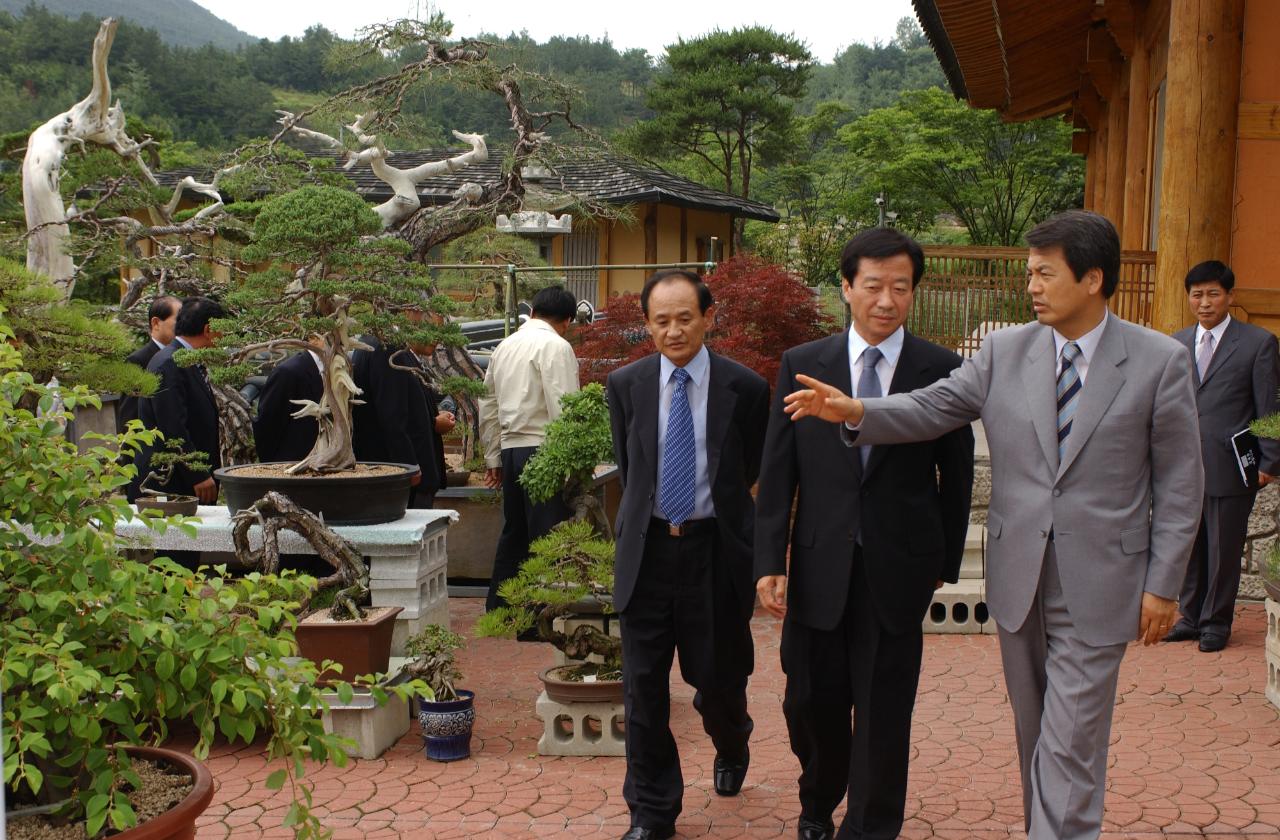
279	435
393	423
1239	387
737	412
181	407
127	408
912	503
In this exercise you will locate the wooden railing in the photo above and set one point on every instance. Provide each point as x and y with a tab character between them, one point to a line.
967	291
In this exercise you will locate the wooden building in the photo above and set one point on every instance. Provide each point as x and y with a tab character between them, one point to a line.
1176	107
667	218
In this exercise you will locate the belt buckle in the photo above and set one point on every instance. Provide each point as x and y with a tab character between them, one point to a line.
675	530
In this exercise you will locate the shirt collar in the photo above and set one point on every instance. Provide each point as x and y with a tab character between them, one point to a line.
1217	331
890	348
158	344
183	342
315	357
537	324
1087	343
696	368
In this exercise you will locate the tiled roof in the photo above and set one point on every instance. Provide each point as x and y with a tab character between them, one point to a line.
608	179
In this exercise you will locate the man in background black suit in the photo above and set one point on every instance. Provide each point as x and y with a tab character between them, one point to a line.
183	405
876	530
277	434
1236	375
688	426
161	317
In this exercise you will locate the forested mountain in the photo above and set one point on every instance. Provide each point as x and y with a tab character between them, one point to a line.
179	23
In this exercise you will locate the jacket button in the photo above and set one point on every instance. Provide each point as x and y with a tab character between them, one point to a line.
1057	491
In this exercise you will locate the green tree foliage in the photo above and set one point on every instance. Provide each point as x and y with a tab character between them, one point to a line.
932	154
865	77
725	99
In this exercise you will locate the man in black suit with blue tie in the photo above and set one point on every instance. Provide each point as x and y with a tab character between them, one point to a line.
688	428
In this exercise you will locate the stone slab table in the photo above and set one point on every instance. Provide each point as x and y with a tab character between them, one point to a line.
407	567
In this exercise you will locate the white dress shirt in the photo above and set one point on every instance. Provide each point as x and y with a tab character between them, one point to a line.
1218	332
697	389
527	375
890	350
1088	343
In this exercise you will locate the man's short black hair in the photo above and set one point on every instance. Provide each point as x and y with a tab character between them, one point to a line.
163	307
705	300
554	304
1088	241
195	314
880	243
1211	271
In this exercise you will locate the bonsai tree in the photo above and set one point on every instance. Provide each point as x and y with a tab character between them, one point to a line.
570	569
164	462
433	660
348	281
97	650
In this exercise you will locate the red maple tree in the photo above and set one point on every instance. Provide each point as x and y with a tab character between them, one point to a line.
761	310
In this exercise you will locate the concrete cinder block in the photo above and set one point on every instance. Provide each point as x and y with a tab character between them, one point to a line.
425	598
1273	652
971	565
430	557
959	608
580	728
374	728
604	623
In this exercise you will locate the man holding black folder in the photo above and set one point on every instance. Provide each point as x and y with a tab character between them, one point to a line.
1236	377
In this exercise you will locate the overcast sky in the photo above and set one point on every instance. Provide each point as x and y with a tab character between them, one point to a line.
825	27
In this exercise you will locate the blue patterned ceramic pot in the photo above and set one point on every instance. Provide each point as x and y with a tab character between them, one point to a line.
446	727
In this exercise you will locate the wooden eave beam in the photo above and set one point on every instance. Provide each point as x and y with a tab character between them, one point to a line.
1088	105
1122	19
1102	60
1080	142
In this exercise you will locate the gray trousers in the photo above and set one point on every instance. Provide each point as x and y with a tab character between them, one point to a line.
1208	599
1063	692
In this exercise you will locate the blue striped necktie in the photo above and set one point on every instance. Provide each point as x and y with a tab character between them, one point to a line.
1069	386
679	458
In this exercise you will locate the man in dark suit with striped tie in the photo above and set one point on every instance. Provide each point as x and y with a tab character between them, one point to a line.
688	428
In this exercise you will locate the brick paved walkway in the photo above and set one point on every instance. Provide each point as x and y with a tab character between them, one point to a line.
1196	753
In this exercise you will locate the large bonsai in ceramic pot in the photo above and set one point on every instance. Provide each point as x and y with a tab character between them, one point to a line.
98	650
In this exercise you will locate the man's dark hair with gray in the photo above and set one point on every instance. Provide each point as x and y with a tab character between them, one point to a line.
1210	271
1087	240
554	304
705	299
879	244
195	315
163	307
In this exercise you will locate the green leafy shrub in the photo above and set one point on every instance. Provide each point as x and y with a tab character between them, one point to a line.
433	652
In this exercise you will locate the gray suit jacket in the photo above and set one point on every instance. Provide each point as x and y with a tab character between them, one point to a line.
1239	387
1123	506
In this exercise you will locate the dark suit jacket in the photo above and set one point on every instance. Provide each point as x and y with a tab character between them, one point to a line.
278	435
393	424
737	411
437	439
912	503
127	408
181	407
1239	387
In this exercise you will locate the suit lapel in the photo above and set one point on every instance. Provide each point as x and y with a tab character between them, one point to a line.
644	401
833	368
1230	338
907	376
1103	382
1039	383
721	400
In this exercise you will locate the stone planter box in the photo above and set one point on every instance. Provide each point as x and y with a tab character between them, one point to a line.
473	539
374	728
1273	652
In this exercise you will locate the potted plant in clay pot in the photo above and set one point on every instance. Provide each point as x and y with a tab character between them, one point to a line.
162	465
448	714
348	281
99	653
569	572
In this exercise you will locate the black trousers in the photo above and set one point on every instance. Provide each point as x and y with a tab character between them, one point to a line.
1209	590
523	521
857	665
683	603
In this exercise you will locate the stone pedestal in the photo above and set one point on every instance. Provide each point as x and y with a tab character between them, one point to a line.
1273	652
962	607
407	558
580	728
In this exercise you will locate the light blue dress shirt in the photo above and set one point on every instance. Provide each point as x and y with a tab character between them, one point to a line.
697	389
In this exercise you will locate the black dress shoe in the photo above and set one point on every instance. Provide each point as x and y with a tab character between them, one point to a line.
1212	642
809	829
1182	633
638	833
729	775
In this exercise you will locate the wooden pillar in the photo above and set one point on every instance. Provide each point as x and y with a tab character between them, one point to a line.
1098	156
1133	228
1091	173
1117	132
1198	179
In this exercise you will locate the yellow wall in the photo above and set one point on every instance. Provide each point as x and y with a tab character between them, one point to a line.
623	245
1256	225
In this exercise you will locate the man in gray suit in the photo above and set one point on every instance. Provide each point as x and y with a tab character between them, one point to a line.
1236	374
1096	484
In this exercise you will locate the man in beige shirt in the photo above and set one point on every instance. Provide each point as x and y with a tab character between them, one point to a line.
527	375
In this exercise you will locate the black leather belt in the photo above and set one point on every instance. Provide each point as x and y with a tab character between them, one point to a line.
688	528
